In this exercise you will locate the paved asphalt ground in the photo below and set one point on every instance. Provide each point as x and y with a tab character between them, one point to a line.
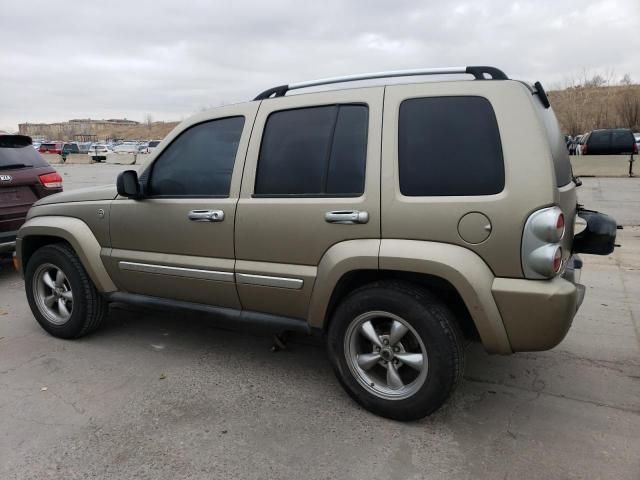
159	396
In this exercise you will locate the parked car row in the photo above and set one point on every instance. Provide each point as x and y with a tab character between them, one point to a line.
605	141
99	150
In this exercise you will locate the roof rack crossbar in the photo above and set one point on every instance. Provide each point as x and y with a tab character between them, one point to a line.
478	72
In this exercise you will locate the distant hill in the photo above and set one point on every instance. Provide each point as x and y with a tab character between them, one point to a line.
582	109
154	131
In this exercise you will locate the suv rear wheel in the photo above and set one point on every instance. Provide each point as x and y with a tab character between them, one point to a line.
60	293
396	349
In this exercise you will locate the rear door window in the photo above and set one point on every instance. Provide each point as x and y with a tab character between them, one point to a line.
317	151
599	139
449	146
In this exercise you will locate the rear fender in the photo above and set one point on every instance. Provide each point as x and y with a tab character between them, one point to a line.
464	270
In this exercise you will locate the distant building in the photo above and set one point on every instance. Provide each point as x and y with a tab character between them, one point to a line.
74	128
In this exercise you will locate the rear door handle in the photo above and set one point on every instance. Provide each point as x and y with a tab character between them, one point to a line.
346	217
206	215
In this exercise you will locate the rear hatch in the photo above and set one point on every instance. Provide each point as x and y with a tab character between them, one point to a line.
20	186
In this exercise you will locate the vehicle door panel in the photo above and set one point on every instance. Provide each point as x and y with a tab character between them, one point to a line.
158	250
284	237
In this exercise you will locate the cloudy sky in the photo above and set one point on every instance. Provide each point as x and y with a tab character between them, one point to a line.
78	59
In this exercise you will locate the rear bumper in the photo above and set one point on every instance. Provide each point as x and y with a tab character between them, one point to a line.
537	314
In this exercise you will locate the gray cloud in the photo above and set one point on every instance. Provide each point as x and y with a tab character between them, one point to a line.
170	59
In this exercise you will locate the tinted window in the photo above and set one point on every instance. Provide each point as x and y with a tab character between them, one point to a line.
200	161
71	148
599	139
349	152
610	142
16	151
314	151
622	139
449	146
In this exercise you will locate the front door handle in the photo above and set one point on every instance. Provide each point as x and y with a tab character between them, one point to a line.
346	217
206	215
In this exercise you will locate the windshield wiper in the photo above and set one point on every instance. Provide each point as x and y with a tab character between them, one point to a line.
11	166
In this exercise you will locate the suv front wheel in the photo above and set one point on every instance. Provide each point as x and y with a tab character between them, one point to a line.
396	349
61	295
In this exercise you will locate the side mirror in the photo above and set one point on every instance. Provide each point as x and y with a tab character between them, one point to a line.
128	184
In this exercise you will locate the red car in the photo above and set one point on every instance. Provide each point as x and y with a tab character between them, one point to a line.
24	178
51	147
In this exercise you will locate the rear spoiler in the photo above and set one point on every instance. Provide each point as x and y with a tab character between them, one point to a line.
542	95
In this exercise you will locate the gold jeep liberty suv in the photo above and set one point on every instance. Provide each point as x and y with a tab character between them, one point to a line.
397	220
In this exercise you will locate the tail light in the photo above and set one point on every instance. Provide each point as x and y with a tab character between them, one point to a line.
635	148
583	150
541	249
51	180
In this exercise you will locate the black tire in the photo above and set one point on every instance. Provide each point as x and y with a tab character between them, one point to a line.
433	323
89	307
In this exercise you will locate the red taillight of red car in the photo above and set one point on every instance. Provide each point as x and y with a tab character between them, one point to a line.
51	180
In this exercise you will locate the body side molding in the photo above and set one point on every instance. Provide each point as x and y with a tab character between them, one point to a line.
177	271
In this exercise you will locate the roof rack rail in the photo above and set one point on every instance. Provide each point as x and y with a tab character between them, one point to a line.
479	73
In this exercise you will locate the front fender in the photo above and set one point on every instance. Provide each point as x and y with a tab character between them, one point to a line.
78	235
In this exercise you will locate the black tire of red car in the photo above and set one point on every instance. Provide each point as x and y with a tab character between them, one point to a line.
89	307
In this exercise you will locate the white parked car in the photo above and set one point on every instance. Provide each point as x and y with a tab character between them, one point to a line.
98	149
126	147
581	142
99	152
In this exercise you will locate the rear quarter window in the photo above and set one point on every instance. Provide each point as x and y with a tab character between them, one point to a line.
622	139
449	146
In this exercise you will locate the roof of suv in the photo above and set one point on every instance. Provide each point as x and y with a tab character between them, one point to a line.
478	73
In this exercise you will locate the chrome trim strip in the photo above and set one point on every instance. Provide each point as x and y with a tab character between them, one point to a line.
177	271
267	281
8	245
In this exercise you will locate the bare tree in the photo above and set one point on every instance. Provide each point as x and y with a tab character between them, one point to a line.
628	108
148	120
626	80
596	81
